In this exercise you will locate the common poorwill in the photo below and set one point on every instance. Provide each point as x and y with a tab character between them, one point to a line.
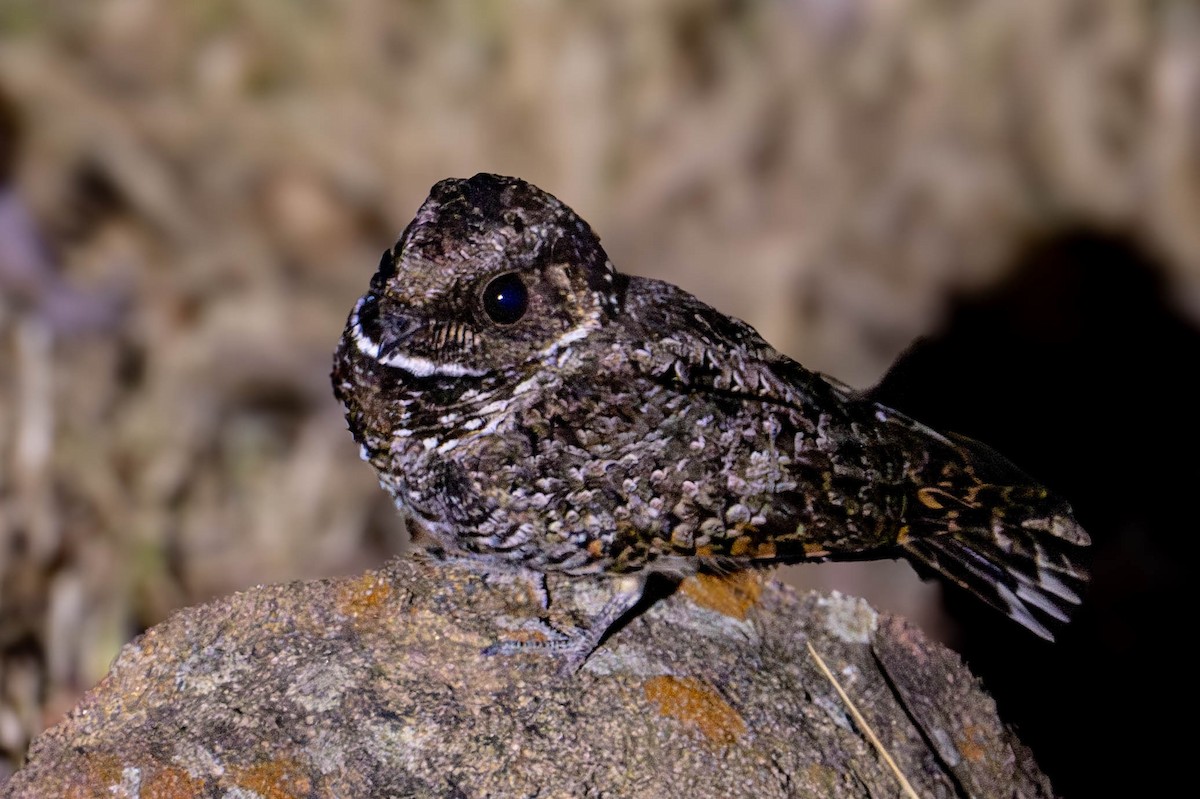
530	407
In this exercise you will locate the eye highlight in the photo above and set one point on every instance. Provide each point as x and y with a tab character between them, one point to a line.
506	299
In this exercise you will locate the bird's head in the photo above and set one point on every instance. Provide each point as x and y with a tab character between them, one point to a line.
492	273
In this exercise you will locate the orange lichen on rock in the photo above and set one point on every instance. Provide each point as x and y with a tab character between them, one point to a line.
973	744
696	702
275	779
96	776
172	783
364	596
730	594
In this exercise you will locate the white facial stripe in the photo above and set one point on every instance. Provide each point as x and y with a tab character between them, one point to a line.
423	367
364	344
415	365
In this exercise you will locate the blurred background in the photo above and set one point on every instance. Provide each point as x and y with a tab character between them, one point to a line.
193	194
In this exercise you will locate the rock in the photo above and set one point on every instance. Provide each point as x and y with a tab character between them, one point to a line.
376	686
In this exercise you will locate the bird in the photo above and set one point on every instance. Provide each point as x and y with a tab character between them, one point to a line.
530	409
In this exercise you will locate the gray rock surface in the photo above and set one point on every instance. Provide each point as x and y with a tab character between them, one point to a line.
376	686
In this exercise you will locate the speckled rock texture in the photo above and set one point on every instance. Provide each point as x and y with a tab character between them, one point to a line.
376	686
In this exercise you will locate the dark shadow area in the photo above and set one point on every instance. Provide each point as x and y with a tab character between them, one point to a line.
1081	370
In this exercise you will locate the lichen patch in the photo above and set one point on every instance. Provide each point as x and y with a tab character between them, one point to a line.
98	774
365	596
849	619
695	702
275	779
728	594
172	783
972	744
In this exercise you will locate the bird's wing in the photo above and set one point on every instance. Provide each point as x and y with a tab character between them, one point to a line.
774	436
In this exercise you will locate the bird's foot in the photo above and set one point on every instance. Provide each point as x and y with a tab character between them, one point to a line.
573	647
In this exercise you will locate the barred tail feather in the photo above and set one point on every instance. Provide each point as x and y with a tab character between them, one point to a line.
991	530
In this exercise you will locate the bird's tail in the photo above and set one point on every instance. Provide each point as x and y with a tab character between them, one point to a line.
993	531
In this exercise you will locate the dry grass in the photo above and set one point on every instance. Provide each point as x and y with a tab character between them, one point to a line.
861	723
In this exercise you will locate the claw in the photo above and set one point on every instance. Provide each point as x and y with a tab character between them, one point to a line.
576	646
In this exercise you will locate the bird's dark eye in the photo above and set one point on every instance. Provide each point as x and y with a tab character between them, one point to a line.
505	299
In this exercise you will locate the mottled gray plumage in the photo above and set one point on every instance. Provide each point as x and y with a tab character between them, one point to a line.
530	407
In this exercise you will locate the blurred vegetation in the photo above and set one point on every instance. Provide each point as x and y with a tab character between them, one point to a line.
219	179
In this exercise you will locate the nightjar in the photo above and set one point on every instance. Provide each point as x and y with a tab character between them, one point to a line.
529	407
